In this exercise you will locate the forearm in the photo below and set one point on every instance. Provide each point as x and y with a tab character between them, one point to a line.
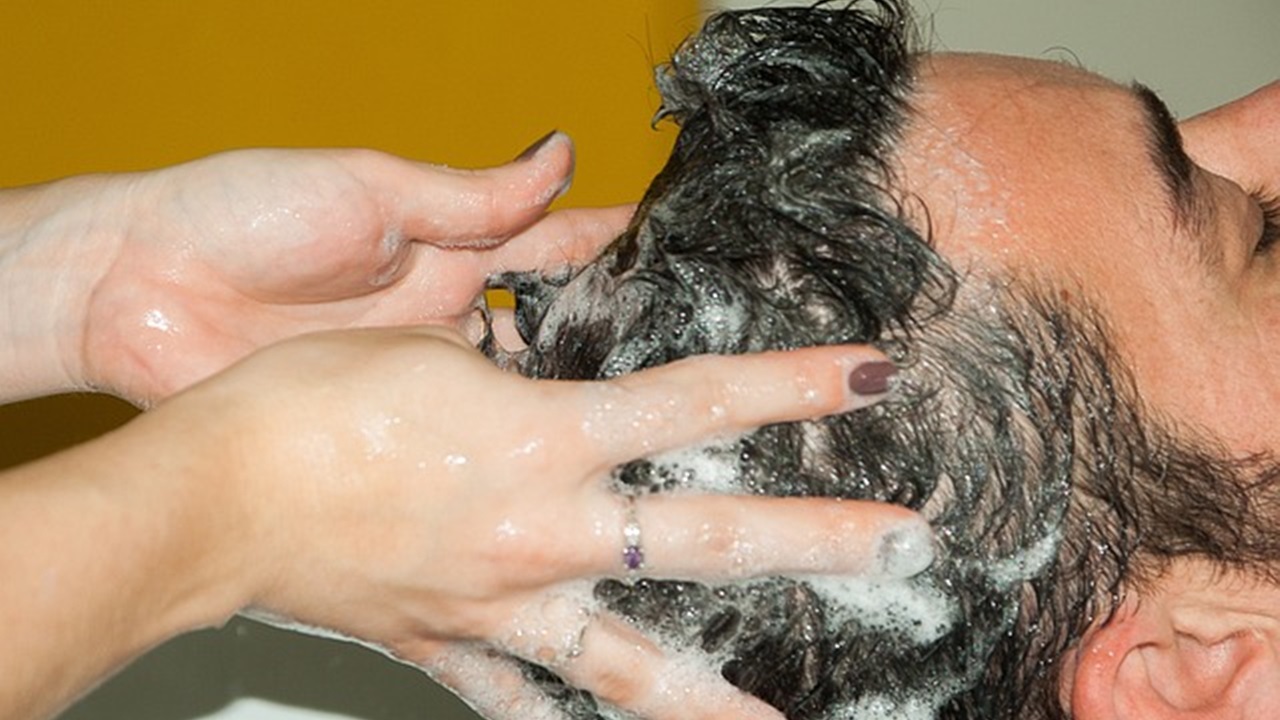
56	241
107	550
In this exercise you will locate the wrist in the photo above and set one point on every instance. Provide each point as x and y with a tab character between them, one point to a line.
200	520
56	242
109	549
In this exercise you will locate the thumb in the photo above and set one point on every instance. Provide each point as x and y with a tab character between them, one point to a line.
454	208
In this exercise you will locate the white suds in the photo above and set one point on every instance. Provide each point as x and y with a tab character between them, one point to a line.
711	467
912	608
1028	563
922	706
491	685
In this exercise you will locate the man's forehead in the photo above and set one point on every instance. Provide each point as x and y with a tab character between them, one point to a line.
1000	75
987	103
996	143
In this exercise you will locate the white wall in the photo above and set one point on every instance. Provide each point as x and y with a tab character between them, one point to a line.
1196	53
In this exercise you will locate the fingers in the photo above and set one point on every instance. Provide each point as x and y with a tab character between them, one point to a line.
490	683
565	238
469	208
719	538
503	323
568	632
699	398
626	670
611	661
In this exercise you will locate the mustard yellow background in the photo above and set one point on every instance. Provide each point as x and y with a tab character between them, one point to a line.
112	85
97	85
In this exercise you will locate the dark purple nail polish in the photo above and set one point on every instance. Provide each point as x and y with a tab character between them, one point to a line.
534	148
872	378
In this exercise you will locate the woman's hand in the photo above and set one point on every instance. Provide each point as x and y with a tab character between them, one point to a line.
395	487
223	255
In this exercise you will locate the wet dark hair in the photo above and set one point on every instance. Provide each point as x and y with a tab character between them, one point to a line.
1014	427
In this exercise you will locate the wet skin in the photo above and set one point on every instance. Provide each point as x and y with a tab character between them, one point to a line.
1054	173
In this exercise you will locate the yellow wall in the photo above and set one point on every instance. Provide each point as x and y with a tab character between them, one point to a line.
93	85
115	85
103	85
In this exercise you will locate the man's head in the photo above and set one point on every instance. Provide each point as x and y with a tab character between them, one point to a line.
831	185
1045	170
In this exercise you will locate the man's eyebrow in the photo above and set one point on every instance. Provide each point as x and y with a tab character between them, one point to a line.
1164	143
1176	169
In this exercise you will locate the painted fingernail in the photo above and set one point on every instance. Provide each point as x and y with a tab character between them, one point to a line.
872	378
905	551
535	148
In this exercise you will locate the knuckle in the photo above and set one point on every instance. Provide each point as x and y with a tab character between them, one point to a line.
701	388
719	539
618	686
525	555
797	385
717	402
745	391
522	553
608	414
811	387
727	543
492	202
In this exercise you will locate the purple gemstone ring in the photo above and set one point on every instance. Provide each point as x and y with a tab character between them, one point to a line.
632	550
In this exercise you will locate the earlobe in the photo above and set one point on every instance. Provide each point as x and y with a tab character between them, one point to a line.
1155	664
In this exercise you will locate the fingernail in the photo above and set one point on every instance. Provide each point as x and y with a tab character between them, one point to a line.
568	183
905	551
535	148
872	378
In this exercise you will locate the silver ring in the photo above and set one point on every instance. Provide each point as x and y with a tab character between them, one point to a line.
574	651
632	549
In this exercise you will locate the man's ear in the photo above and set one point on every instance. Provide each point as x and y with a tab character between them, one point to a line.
1177	657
